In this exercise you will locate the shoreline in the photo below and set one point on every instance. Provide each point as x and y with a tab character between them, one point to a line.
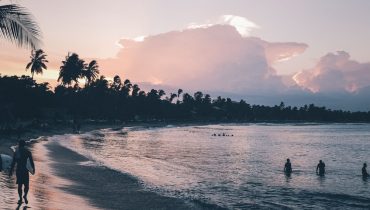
6	141
126	191
60	174
72	179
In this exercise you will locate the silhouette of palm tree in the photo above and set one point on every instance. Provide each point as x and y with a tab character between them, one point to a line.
161	93
172	96
91	72
117	83
126	87
179	91
37	63
135	90
71	70
18	26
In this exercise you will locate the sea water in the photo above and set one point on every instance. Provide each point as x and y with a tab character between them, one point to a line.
244	168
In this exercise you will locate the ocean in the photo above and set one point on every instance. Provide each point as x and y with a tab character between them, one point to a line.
238	166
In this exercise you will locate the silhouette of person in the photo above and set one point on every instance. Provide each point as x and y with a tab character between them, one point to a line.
288	167
20	158
364	171
320	169
1	164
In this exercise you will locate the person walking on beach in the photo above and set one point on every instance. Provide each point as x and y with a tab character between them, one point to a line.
364	171
288	167
20	158
320	169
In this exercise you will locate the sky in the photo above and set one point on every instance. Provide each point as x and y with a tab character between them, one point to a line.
264	51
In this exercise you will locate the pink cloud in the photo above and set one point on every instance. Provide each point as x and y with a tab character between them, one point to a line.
335	72
216	58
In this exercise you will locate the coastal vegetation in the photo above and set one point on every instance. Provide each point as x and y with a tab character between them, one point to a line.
23	99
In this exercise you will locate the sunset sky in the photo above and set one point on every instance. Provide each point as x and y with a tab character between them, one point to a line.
266	50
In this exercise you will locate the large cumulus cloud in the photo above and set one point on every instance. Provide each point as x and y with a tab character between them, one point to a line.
216	58
335	72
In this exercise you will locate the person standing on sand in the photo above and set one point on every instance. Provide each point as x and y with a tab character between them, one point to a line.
20	158
320	169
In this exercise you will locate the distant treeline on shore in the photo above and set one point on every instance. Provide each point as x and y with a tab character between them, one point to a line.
21	98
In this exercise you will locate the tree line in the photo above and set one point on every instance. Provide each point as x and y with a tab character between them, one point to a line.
22	98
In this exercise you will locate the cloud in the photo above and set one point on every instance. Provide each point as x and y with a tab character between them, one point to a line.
210	58
335	72
241	24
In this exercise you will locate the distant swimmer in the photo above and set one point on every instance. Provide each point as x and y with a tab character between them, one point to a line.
364	171
320	169
288	167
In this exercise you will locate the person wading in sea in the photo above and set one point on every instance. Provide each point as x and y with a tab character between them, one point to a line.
20	158
364	171
320	169
288	167
1	164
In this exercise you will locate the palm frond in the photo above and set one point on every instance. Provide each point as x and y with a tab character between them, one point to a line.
43	65
28	65
18	26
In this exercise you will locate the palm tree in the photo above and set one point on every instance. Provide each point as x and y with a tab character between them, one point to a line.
18	26
172	96
117	83
135	90
179	91
126	87
91	72
71	70
37	63
161	93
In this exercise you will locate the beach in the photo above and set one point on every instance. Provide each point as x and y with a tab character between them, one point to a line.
188	167
64	179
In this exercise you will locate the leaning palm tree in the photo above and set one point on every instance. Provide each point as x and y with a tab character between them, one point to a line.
18	26
38	60
71	69
91	72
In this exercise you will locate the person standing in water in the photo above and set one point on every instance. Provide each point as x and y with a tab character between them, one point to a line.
20	158
288	167
320	169
1	164
364	171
